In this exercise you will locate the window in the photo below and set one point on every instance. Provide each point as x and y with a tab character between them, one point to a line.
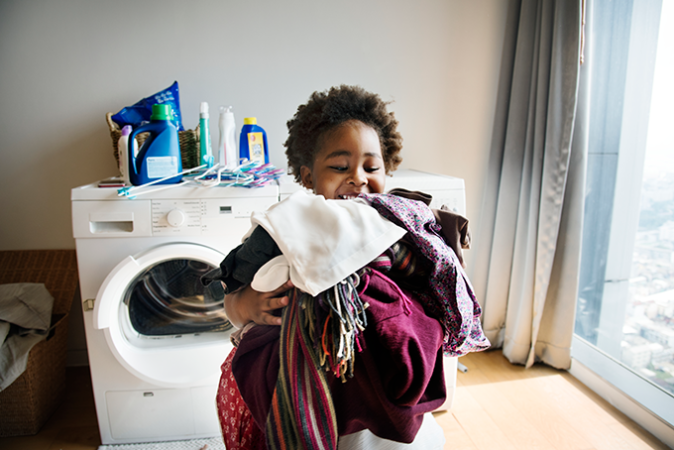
625	315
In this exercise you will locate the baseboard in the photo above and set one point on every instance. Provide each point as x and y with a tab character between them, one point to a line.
623	403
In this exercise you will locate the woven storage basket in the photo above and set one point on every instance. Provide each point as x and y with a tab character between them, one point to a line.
189	143
33	397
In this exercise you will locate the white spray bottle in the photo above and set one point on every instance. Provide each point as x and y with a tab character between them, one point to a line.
227	154
122	150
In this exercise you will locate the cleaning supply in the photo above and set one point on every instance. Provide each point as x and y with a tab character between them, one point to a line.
227	154
139	114
253	142
159	156
122	153
205	136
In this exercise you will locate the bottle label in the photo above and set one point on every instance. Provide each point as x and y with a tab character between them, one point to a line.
256	147
162	166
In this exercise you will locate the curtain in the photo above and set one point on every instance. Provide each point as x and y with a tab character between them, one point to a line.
527	252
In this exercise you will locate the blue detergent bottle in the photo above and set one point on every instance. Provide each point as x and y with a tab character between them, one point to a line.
159	156
253	142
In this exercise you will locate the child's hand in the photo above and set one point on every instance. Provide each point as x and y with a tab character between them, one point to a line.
248	305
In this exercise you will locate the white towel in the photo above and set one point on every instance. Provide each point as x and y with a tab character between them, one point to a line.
324	241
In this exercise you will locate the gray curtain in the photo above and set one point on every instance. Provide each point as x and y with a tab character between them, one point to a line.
527	251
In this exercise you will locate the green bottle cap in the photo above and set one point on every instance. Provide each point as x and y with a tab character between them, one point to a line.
161	112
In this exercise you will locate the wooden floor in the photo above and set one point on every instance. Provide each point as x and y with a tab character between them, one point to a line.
496	406
502	406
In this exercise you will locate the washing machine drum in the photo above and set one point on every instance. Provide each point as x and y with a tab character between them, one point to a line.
169	299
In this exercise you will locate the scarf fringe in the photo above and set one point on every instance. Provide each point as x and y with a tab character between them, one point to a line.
341	328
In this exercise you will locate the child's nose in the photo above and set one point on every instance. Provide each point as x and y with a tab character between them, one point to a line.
358	178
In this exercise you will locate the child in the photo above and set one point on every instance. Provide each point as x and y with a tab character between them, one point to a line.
379	295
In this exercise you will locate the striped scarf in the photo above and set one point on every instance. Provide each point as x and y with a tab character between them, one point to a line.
318	335
400	263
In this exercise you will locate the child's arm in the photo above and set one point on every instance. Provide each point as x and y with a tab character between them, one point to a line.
248	305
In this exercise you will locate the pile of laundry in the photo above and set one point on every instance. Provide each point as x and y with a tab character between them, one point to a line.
25	320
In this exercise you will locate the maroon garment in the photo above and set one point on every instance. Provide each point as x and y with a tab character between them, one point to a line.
239	430
398	376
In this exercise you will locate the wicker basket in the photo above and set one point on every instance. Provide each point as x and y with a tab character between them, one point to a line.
189	143
33	397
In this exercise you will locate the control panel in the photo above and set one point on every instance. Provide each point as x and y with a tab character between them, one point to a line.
203	217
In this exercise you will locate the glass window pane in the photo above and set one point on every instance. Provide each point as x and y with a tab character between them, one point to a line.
625	312
648	342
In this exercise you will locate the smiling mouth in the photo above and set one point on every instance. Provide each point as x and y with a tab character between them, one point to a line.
347	196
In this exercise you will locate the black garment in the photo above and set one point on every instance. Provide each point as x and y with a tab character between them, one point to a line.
242	263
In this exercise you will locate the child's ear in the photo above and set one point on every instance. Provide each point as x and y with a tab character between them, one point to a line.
305	175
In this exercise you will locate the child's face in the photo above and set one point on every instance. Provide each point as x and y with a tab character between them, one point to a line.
349	163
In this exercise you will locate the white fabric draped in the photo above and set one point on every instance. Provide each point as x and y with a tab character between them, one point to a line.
322	241
527	251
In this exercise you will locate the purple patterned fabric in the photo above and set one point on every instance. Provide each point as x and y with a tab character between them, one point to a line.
448	295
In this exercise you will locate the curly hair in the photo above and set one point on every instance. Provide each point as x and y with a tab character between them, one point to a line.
326	111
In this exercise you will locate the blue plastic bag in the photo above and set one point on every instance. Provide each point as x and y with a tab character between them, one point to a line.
140	113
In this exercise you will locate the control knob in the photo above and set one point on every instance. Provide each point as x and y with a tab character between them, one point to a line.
176	217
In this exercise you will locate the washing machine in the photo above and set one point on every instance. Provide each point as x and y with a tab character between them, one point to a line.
155	336
445	190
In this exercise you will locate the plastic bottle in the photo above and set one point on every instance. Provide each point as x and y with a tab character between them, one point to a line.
227	154
122	153
205	136
253	141
159	156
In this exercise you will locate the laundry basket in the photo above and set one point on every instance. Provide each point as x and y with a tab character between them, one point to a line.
34	396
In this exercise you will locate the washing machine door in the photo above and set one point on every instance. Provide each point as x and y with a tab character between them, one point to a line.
160	322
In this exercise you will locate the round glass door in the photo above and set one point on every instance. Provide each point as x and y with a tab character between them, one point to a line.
168	299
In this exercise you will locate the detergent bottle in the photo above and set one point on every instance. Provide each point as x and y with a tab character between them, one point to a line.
253	142
159	156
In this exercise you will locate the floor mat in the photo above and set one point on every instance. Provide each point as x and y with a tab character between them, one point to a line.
194	444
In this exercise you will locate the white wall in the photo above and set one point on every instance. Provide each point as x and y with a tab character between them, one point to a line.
64	64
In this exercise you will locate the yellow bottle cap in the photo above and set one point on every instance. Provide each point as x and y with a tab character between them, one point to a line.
250	121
